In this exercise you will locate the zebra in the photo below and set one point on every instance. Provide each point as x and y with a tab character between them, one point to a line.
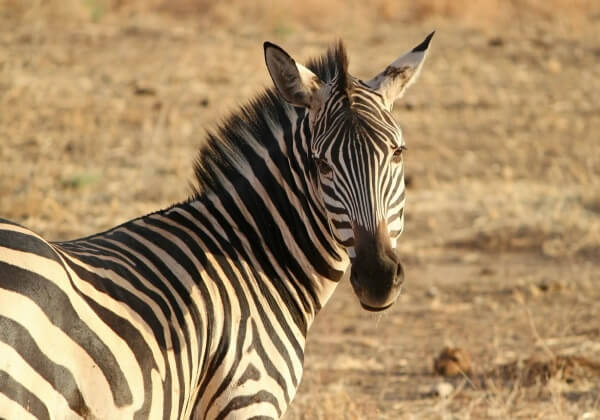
201	310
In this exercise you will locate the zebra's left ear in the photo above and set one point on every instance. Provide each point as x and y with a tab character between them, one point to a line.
393	81
295	83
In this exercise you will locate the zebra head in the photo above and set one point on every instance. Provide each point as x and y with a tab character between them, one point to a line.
355	149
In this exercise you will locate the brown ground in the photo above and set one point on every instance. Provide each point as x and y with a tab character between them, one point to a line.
103	104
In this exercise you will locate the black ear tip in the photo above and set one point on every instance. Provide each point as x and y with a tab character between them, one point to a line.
270	46
423	45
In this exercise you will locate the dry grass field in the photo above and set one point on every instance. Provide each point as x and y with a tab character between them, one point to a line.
104	102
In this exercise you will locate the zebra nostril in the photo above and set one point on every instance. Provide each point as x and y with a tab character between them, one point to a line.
399	279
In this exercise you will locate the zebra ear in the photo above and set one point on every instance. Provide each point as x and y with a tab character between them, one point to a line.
295	83
393	81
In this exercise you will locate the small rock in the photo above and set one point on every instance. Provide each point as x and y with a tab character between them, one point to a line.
426	391
554	65
496	42
142	89
518	296
487	271
452	361
402	362
443	389
432	292
471	257
535	291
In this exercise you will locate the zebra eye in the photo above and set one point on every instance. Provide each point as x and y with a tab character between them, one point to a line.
324	167
397	156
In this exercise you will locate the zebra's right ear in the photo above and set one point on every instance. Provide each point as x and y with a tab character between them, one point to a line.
295	83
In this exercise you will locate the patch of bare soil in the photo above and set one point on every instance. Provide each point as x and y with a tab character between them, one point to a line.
101	112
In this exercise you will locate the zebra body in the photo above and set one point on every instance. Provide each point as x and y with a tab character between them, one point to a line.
201	310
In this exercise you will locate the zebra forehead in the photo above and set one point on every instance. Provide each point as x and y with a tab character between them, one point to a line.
361	123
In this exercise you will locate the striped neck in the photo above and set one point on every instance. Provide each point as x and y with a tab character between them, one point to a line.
256	184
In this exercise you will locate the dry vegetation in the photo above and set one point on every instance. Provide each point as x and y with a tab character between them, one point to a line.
103	103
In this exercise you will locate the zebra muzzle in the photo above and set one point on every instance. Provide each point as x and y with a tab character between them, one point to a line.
376	274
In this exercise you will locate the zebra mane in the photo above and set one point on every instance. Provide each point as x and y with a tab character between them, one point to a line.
228	148
333	66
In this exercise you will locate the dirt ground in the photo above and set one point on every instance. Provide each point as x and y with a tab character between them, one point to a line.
102	109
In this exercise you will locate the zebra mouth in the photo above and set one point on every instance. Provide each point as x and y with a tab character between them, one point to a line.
375	309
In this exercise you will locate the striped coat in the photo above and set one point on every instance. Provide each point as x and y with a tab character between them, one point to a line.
201	310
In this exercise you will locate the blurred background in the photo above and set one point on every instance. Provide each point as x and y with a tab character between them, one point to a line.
103	104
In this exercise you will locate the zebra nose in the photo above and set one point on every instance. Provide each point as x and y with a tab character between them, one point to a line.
376	284
376	274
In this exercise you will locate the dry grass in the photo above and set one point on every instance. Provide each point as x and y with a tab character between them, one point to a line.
547	220
287	14
103	104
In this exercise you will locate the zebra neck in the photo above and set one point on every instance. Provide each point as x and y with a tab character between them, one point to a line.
254	188
263	207
272	241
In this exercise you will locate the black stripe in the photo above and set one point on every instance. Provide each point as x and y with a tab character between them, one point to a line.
250	374
22	396
247	400
27	243
143	354
9	222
